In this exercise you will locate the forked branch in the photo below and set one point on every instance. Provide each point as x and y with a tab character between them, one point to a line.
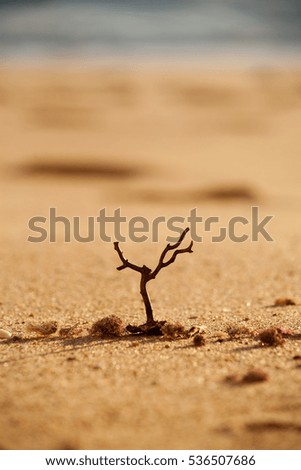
147	274
169	247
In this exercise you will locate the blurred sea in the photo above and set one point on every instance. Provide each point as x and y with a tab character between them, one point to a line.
149	28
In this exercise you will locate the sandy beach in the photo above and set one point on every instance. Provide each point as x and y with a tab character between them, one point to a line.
153	141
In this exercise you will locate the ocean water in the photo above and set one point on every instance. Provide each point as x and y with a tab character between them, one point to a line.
149	28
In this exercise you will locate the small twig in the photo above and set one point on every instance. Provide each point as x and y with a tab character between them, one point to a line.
147	274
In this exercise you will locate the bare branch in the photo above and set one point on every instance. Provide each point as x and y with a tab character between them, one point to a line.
125	262
176	253
169	247
147	274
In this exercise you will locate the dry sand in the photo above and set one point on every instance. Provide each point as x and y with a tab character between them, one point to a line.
164	140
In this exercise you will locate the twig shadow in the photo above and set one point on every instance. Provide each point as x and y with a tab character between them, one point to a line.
75	343
69	344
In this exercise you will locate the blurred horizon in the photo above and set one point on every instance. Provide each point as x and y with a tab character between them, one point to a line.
161	28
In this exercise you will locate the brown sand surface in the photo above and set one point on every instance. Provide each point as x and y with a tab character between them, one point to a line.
152	142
